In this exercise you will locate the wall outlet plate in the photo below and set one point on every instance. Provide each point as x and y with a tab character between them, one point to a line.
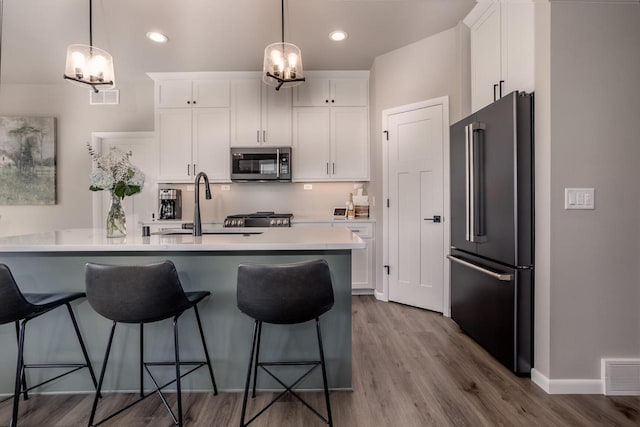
308	186
225	187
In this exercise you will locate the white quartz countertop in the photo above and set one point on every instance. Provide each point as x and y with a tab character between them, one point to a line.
268	239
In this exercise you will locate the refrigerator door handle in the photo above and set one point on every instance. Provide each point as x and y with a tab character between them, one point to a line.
474	128
467	216
504	277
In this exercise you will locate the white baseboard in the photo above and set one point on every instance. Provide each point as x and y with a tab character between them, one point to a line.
552	386
380	296
362	291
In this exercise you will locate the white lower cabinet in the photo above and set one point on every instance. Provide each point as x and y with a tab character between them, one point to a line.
361	259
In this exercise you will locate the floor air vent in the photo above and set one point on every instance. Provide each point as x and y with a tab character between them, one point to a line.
621	377
105	97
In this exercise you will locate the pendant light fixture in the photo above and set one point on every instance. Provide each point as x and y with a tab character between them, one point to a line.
88	65
282	65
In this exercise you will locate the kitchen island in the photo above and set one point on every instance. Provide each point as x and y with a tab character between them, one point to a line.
55	261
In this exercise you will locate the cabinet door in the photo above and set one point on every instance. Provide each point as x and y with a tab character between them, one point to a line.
485	57
361	262
210	93
276	116
211	143
173	94
518	47
349	92
246	113
349	144
312	93
174	138
311	141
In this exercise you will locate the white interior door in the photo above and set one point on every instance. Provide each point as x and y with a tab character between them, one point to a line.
416	194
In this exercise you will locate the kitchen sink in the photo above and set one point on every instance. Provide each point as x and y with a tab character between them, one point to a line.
189	232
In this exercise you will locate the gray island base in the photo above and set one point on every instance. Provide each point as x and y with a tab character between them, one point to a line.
48	267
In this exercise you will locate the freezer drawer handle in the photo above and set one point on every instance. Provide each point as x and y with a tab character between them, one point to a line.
500	276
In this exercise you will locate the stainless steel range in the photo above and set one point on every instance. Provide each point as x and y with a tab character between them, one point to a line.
259	219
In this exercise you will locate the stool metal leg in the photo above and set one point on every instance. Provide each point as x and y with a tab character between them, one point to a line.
141	359
82	346
324	373
177	351
206	351
255	366
24	376
19	372
248	382
104	368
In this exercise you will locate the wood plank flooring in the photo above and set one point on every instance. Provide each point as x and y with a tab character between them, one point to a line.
411	368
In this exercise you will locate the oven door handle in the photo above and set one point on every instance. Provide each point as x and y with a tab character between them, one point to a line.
277	163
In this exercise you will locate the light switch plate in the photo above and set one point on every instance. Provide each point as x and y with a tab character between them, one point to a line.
579	198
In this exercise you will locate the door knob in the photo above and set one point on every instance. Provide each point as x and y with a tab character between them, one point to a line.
436	218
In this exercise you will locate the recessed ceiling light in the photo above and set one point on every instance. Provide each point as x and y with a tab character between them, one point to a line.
338	35
157	37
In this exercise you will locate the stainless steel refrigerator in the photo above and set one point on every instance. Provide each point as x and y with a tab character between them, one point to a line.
492	223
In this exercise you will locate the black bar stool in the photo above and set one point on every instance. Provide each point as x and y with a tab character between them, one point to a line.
144	294
284	294
20	308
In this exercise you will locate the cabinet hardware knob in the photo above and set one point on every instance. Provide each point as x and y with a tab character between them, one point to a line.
188	102
194	102
326	100
333	100
494	92
500	86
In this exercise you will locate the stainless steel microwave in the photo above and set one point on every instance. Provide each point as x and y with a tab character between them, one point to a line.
261	164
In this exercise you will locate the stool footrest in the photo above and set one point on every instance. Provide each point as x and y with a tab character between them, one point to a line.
174	363
312	362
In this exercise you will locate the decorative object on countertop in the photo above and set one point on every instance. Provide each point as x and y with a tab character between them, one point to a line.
361	204
114	172
350	211
27	160
282	65
88	65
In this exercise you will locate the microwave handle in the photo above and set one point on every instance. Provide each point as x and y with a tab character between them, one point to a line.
277	163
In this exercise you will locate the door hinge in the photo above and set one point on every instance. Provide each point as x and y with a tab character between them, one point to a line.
387	268
388	203
386	132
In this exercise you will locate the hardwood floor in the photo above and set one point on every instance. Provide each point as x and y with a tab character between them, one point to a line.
411	368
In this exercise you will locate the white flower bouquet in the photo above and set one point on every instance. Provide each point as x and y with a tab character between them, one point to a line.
114	172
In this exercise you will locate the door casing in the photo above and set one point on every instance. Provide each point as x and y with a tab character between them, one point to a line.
444	101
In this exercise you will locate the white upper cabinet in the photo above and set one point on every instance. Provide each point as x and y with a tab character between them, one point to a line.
502	50
186	93
330	144
262	115
317	92
193	125
331	127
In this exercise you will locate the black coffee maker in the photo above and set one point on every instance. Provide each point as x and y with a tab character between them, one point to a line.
170	203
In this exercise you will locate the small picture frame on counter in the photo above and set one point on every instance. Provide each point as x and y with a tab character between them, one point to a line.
340	212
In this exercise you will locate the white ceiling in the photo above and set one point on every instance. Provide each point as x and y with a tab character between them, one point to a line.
212	35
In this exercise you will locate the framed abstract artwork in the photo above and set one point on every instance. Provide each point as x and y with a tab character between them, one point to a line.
27	160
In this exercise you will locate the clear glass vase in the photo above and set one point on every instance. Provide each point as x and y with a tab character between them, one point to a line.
116	221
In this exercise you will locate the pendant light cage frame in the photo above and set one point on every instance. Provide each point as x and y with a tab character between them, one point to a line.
282	65
88	65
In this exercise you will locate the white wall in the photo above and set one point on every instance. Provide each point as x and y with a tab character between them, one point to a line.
76	119
588	269
430	68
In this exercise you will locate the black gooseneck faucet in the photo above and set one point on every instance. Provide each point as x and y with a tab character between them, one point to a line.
197	222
